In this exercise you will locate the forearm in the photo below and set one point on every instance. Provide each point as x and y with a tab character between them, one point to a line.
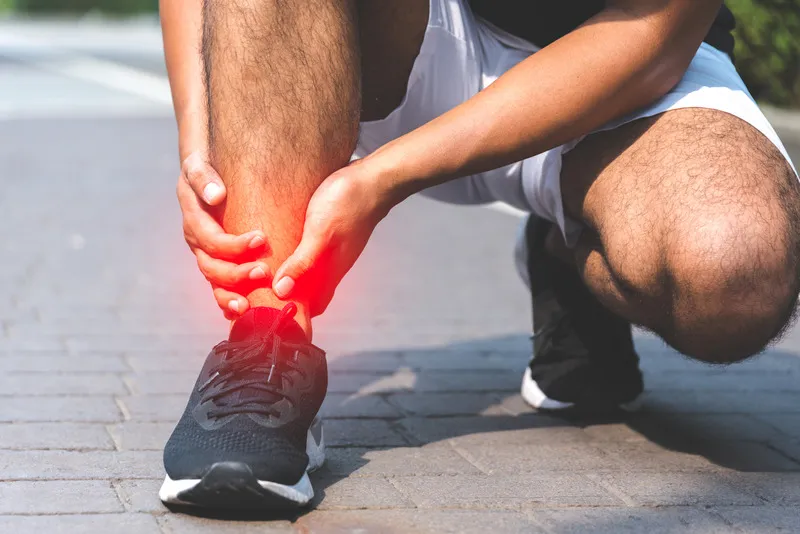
181	23
614	64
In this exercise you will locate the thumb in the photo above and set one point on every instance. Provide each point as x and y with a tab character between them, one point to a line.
203	179
302	260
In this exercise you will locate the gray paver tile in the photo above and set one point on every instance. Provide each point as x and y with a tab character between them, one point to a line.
162	383
497	428
677	489
155	407
425	404
635	520
761	519
685	426
361	433
636	456
779	489
58	497
59	409
43	465
28	436
33	384
352	406
64	363
788	424
184	524
723	401
140	495
136	436
398	461
537	458
505	491
357	493
81	524
418	521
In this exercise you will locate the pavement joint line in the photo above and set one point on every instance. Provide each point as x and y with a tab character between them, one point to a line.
611	489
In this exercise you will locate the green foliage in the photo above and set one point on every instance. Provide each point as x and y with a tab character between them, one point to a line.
84	6
768	48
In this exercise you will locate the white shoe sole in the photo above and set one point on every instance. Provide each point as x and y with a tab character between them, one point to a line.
226	481
536	398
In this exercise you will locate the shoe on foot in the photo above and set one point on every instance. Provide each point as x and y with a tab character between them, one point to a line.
583	354
249	434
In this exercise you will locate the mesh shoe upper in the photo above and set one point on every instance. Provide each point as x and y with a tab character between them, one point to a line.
253	402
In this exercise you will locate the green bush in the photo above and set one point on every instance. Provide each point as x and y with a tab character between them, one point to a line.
84	6
768	48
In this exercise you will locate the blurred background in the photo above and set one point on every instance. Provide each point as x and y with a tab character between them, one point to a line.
767	37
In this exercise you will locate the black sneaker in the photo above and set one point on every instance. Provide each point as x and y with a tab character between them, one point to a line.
583	354
249	435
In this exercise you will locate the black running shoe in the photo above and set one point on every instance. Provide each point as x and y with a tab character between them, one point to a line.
250	435
583	354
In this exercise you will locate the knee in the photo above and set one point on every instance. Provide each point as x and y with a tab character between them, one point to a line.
732	282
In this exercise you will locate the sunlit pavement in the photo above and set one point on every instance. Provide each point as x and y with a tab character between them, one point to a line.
105	322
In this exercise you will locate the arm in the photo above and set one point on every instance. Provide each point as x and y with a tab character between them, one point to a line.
627	56
200	188
182	29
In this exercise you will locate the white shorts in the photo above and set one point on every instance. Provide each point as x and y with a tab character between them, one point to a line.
462	54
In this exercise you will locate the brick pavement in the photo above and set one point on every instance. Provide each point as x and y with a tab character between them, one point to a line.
105	323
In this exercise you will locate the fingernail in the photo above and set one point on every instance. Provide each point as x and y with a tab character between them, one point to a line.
284	286
256	242
234	305
257	274
211	192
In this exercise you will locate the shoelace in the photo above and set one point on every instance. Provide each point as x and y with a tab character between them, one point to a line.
243	367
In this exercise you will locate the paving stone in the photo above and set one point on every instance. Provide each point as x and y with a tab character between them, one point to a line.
637	456
352	406
425	404
681	427
48	465
789	448
59	409
788	424
761	519
81	524
756	402
437	360
32	384
536	457
64	363
136	436
418	521
635	520
495	428
166	361
676	489
365	362
780	489
162	383
166	408
336	493
185	524
140	495
361	433
398	461
724	379
58	497
505	491
27	436
401	380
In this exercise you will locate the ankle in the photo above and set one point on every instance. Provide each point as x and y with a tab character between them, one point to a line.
265	297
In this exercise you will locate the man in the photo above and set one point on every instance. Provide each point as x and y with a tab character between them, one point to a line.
659	194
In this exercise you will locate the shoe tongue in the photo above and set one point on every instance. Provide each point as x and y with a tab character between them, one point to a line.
256	322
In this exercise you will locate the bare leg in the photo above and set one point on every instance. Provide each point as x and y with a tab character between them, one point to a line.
693	230
283	93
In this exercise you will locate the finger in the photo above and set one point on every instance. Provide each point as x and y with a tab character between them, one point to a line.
302	260
226	274
203	179
232	304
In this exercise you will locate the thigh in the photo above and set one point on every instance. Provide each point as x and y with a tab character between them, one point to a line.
391	35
